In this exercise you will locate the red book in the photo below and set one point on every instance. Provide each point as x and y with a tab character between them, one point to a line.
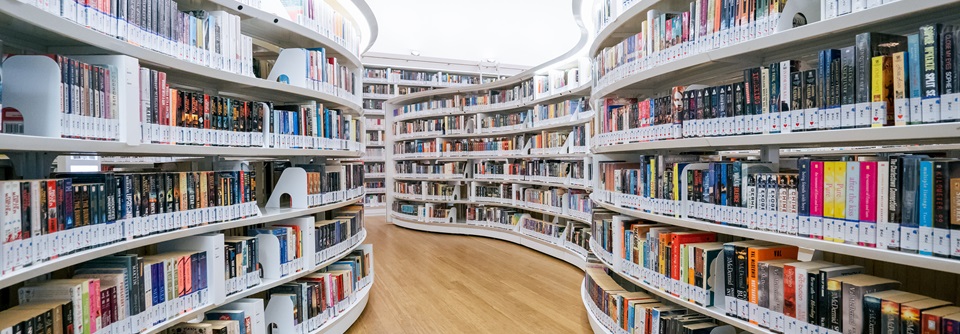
868	201
679	238
789	291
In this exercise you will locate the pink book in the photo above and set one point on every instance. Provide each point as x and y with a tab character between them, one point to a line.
94	305
816	195
868	201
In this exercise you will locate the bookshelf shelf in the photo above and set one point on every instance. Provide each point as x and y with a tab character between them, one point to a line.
267	215
427	177
343	321
23	143
41	30
373	112
624	24
593	317
281	31
911	134
416	198
267	285
723	63
583	90
714	312
194	314
909	259
373	175
556	251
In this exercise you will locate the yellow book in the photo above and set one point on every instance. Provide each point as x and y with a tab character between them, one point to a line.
653	178
900	82
829	211
882	82
676	183
840	190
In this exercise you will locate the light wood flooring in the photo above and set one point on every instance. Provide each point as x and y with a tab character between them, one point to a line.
439	283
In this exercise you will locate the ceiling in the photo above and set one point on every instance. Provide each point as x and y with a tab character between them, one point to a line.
517	32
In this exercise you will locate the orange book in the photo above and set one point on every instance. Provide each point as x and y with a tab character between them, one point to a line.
755	254
680	238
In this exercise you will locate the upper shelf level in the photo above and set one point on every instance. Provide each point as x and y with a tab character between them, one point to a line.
28	26
723	63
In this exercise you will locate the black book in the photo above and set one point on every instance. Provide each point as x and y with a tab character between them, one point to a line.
869	45
796	91
930	53
948	61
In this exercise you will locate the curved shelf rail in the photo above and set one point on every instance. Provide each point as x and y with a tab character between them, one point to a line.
485	202
56	34
627	23
583	90
24	143
580	185
267	215
556	251
909	259
595	319
909	134
343	321
714	312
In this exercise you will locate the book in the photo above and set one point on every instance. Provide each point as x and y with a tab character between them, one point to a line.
854	288
911	313
890	311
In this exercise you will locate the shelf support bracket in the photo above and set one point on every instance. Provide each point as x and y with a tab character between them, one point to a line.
33	165
771	153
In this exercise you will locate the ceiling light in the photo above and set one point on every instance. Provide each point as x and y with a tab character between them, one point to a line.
491	60
415	52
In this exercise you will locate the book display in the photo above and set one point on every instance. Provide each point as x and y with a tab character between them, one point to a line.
507	159
720	180
382	83
218	175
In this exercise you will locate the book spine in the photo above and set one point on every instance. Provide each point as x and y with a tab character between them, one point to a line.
925	208
930	49
868	204
835	298
817	193
941	209
852	209
790	291
901	78
730	278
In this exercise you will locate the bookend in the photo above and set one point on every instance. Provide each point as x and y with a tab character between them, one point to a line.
280	319
212	244
252	307
32	86
290	68
292	182
268	250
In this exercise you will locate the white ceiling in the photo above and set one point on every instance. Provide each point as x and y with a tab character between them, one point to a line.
518	32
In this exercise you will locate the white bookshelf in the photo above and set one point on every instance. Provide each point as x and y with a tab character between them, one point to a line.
724	64
36	30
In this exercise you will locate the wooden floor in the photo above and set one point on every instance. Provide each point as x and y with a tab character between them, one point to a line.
438	283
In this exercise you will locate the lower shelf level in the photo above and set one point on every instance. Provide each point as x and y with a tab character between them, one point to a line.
555	251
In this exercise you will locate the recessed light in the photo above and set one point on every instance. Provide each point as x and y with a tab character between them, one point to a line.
415	52
491	60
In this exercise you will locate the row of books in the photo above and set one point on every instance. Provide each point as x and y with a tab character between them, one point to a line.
439	168
374	73
904	202
504	121
45	219
241	263
322	179
374	153
372	104
542	168
327	74
876	82
323	295
208	38
547	230
326	20
374	137
445	124
404	90
172	116
122	294
317	299
344	224
493	191
458	79
434	104
431	211
378	89
543	112
416	146
374	167
296	124
492	215
375	200
557	80
521	91
766	284
624	311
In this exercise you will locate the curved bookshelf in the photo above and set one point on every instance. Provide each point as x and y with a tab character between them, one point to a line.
264	286
281	31
343	321
714	312
483	201
592	316
718	63
556	251
625	23
266	215
499	179
909	259
57	33
13	143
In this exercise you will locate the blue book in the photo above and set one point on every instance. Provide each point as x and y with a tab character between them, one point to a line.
909	204
925	208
